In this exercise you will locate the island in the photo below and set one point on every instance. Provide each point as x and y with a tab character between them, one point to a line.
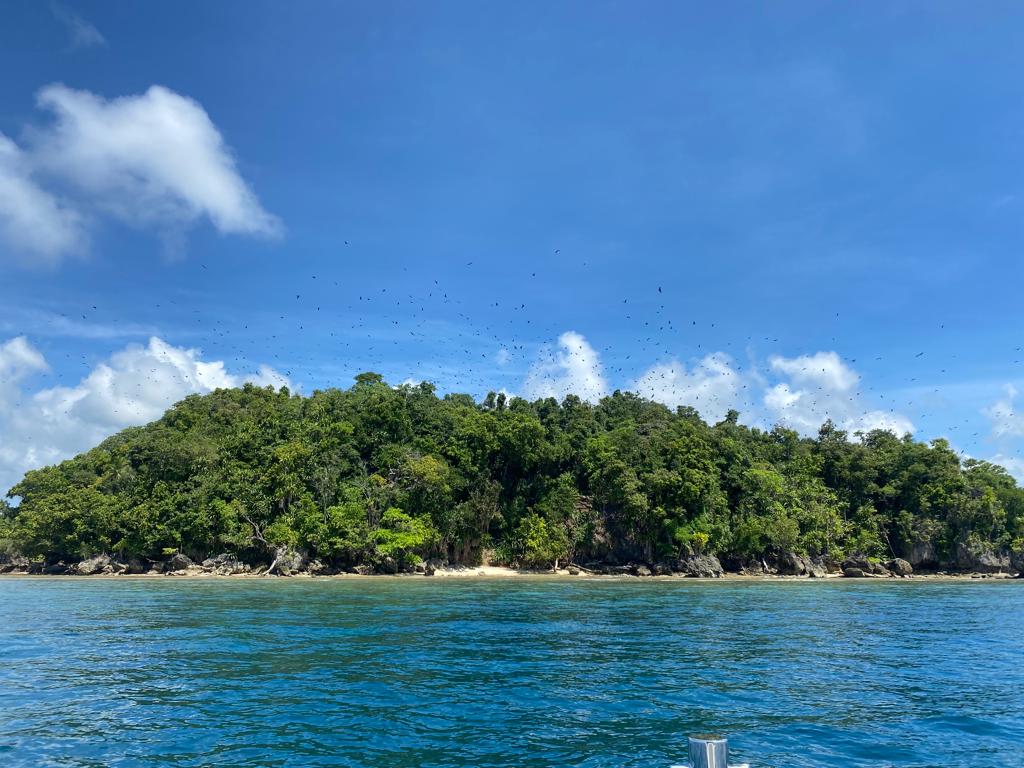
381	479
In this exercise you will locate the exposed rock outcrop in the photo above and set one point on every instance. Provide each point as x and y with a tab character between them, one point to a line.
793	564
1017	561
179	562
701	566
868	567
900	567
922	556
14	564
225	565
94	565
976	558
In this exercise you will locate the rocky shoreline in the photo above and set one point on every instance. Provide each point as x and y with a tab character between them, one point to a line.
290	563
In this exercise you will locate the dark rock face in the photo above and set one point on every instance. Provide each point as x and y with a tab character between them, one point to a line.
701	566
15	564
992	562
980	560
1017	561
792	564
922	555
900	567
851	572
863	564
179	562
817	569
57	569
753	568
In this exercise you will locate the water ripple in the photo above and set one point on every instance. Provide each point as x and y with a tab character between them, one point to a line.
489	673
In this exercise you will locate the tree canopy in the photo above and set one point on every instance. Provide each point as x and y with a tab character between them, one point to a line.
373	472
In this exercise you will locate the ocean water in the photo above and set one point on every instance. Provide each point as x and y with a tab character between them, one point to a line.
404	673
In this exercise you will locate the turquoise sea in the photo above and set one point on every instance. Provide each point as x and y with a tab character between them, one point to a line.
414	673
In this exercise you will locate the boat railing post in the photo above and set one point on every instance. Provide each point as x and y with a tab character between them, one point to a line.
709	751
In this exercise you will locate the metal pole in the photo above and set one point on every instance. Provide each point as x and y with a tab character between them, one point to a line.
709	751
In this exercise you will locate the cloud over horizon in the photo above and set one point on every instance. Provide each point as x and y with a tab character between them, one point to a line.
134	386
823	387
712	386
809	389
572	368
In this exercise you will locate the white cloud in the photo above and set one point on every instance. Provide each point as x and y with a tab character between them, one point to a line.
135	386
821	387
269	377
824	369
1013	464
33	221
574	368
502	356
1006	420
712	387
83	34
17	358
152	160
813	389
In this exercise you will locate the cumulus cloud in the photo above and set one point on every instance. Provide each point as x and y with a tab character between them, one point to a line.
1013	464
572	368
712	387
33	221
808	390
1006	420
819	387
134	386
83	34
822	369
151	160
156	157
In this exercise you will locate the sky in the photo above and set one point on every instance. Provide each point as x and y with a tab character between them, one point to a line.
798	210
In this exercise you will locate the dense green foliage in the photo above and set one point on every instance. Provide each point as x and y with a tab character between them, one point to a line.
376	472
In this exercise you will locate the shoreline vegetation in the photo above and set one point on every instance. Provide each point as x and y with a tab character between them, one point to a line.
389	480
200	573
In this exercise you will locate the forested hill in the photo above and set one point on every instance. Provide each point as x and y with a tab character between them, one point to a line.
383	476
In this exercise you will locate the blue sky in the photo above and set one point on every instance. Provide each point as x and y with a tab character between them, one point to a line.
799	210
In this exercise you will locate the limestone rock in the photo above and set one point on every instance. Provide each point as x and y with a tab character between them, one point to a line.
179	562
14	564
793	564
93	565
971	556
701	566
922	555
900	567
